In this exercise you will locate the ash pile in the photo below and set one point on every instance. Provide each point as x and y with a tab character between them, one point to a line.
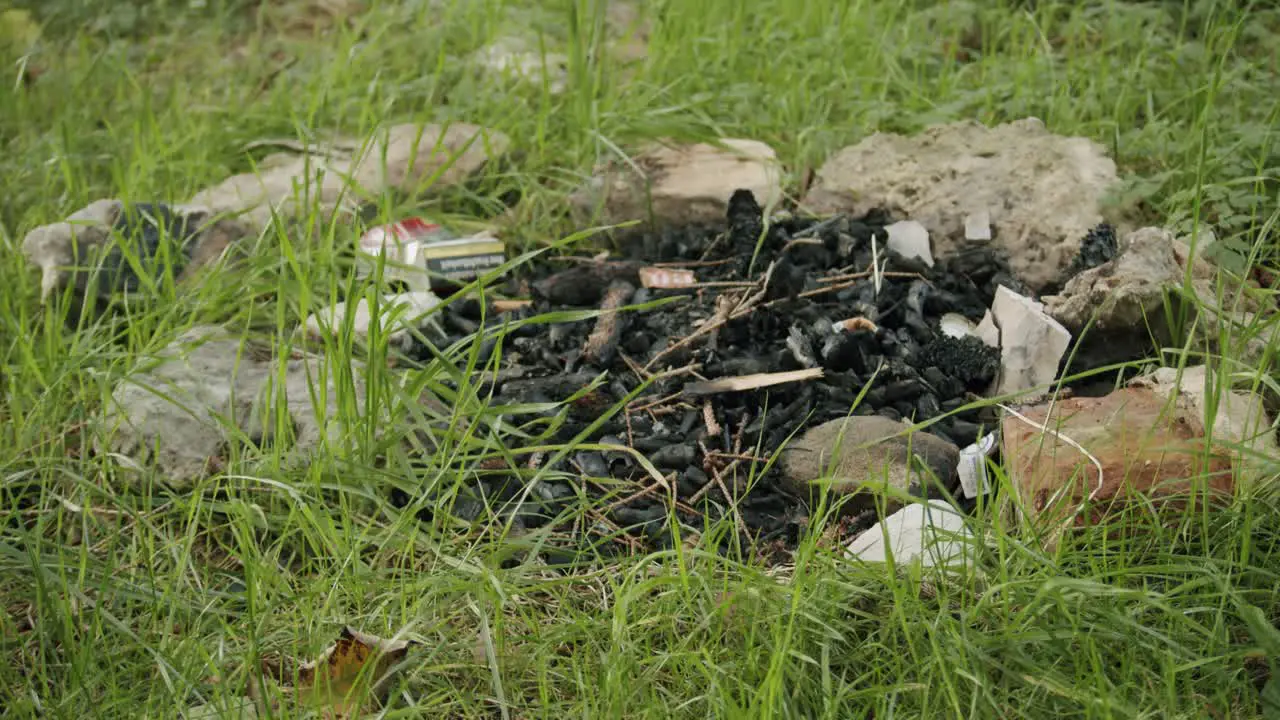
714	347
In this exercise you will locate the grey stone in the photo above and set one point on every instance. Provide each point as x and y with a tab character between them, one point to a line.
866	452
83	251
340	175
1044	192
182	409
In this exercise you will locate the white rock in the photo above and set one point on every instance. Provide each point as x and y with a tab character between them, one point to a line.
934	532
910	239
515	57
400	315
1031	343
988	332
977	226
679	184
1234	418
956	325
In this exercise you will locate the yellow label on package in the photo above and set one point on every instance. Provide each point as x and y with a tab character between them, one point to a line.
463	259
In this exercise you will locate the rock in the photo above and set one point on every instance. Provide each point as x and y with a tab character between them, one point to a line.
208	388
1125	292
681	184
932	531
1122	302
873	450
400	316
87	250
910	239
341	175
1238	418
1044	192
1031	344
514	57
1143	444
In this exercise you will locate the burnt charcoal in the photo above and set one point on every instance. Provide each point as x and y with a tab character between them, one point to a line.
965	433
903	390
671	457
856	351
967	359
944	385
745	218
592	464
927	407
633	516
637	343
585	284
895	364
788	280
1098	248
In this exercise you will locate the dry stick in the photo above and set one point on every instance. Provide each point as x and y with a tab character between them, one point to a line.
656	403
731	499
709	419
751	382
693	263
702	491
608	329
743	307
637	495
866	274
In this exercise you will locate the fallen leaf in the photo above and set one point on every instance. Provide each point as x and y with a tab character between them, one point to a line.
355	667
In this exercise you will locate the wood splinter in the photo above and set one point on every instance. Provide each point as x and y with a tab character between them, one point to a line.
603	341
751	382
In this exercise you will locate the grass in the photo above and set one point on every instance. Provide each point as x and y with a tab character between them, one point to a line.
124	599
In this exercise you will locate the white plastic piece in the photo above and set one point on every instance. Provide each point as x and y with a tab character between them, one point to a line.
956	325
973	466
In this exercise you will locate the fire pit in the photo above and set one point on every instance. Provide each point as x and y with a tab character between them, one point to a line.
715	345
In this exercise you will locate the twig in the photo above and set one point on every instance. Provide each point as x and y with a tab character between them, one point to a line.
751	382
637	495
867	273
694	263
604	337
709	419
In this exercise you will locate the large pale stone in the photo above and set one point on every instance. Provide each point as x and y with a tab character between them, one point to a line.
1042	192
207	388
343	174
680	184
